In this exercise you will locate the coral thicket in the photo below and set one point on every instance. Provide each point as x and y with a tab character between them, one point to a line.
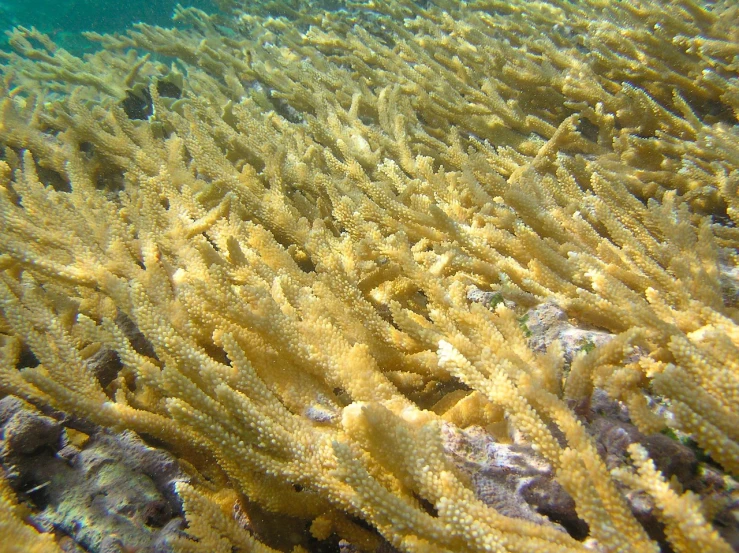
317	251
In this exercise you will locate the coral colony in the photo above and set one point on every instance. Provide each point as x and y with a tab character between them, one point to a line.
375	276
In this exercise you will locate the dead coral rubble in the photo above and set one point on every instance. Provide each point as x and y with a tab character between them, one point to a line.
95	490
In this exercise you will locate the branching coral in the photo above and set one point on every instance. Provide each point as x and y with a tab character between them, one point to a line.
280	254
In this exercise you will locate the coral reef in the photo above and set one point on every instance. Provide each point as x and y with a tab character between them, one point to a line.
100	490
305	248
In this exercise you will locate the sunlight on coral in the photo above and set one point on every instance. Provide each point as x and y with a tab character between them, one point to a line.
315	244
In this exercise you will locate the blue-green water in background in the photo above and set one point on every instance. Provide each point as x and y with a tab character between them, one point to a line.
64	20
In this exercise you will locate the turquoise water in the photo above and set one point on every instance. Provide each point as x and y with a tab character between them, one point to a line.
64	20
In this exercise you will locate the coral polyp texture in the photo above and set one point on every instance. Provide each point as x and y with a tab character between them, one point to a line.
433	276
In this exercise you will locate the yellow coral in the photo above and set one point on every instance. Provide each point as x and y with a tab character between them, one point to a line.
19	537
294	240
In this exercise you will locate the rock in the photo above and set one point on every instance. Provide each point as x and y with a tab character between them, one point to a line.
108	493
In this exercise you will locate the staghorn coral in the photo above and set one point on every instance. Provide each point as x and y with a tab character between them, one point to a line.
20	537
279	260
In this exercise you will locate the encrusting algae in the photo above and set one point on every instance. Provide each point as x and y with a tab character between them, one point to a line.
274	226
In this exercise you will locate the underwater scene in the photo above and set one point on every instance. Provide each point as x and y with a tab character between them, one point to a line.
65	20
369	276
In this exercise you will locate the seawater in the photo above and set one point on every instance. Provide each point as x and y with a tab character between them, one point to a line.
65	20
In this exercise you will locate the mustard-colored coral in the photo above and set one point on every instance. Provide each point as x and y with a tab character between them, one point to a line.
19	537
295	228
